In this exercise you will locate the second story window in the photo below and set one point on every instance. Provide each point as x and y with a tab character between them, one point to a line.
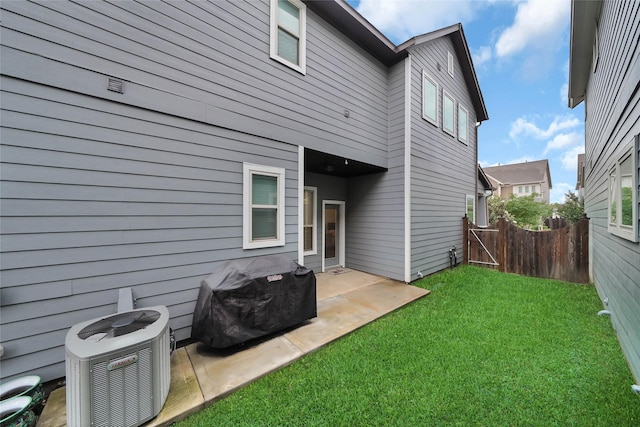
462	124
429	99
448	113
288	33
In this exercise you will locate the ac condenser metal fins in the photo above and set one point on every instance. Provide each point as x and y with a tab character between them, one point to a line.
118	368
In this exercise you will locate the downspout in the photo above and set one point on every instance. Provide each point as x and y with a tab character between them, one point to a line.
301	205
407	169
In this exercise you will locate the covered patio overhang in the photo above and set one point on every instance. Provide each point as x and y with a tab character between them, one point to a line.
330	164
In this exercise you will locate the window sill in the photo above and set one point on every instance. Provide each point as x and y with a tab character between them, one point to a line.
627	234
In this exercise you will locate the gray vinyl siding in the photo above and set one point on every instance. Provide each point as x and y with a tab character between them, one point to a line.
97	196
104	190
443	169
375	207
613	119
206	61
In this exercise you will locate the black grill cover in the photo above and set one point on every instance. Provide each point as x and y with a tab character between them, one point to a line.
252	297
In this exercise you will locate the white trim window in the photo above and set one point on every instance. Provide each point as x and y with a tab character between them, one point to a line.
623	199
263	206
471	208
450	65
429	99
463	124
310	222
448	113
288	41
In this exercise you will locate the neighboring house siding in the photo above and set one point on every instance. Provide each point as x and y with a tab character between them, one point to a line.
443	168
206	61
98	196
375	207
613	109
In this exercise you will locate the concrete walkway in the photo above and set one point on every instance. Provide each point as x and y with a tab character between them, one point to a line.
347	300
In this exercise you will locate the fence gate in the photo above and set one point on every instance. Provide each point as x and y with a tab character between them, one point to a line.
561	253
482	246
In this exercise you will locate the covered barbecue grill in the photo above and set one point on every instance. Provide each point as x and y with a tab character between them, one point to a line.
248	298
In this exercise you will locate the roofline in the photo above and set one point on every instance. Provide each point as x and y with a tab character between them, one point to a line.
347	20
584	16
468	70
484	178
546	161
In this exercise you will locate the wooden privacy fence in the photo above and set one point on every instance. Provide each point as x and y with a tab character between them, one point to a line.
561	254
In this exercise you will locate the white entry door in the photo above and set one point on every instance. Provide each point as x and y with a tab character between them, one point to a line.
333	232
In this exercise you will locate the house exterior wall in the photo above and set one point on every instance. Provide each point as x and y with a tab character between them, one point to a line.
214	68
143	189
542	189
443	169
97	196
375	207
611	123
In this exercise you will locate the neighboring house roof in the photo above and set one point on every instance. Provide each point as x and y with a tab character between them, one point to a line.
484	179
347	20
584	16
520	173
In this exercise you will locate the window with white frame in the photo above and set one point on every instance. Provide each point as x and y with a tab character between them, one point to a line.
450	63
471	207
310	235
463	124
429	99
623	190
288	33
263	206
448	113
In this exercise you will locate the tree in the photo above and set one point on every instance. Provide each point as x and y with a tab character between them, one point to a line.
527	212
573	208
497	209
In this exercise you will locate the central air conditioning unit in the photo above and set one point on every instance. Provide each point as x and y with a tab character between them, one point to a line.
118	368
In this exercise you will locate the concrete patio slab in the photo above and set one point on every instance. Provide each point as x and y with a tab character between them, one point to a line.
338	281
337	316
385	296
200	375
185	396
220	374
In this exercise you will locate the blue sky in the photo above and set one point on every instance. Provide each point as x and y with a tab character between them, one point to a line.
520	51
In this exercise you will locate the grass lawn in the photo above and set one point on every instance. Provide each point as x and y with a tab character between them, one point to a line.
485	348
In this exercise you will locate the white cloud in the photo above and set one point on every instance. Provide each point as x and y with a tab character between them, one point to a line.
564	90
524	127
402	19
564	94
564	140
559	190
481	56
569	158
536	24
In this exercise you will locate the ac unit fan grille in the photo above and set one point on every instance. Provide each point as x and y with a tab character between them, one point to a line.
120	324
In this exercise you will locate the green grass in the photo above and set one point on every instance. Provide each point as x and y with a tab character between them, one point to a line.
485	349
